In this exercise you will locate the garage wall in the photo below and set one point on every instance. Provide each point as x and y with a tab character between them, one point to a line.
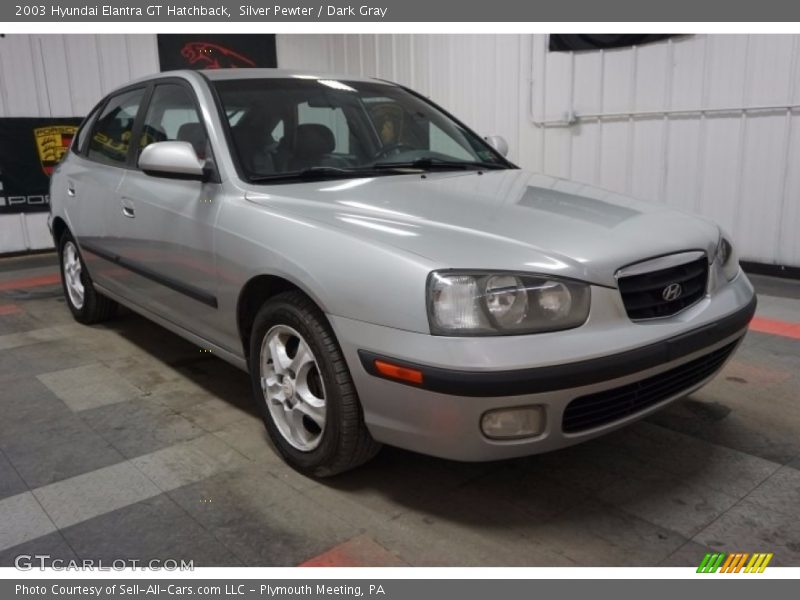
740	167
62	76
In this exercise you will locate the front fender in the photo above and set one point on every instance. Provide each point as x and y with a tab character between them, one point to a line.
345	275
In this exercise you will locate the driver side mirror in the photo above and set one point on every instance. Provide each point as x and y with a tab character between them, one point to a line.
499	143
172	159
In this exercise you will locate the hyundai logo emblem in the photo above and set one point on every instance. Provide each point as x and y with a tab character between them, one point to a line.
672	292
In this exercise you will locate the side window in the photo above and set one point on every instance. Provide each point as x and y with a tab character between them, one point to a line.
79	142
172	116
111	134
332	118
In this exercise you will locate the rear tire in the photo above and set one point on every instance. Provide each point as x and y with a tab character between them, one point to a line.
85	303
304	389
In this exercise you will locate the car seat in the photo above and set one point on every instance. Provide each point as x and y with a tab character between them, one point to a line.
312	143
253	146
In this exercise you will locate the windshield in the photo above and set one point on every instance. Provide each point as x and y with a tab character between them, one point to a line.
301	126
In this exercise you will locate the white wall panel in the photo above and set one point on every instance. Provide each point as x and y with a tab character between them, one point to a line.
114	62
62	76
65	75
719	183
18	79
739	168
760	187
35	227
647	159
13	233
85	78
788	238
142	54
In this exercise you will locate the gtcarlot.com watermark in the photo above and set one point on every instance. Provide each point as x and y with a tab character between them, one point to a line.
29	562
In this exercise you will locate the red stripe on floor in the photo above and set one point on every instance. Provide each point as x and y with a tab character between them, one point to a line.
9	309
29	282
775	327
360	551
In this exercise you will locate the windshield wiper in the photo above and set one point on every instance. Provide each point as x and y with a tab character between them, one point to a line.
428	163
380	168
319	172
309	173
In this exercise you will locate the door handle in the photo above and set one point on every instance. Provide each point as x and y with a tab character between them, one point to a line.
70	190
127	207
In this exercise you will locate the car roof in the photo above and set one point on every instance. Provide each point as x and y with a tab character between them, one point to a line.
223	74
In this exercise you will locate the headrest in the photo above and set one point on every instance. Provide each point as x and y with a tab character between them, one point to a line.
312	140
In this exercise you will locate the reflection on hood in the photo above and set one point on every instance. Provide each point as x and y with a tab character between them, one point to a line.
578	207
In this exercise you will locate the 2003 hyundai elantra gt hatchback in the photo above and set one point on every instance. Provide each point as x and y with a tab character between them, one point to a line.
383	273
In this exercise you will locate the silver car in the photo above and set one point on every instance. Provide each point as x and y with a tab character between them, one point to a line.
383	273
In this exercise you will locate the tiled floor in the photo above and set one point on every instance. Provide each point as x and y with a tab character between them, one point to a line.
123	441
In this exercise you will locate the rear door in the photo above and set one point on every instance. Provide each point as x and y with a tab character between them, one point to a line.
94	177
163	227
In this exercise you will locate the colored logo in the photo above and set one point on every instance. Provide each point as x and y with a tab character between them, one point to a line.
52	142
737	562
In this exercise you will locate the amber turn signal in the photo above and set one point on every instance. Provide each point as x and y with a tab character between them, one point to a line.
397	372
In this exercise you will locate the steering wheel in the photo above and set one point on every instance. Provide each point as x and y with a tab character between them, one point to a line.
393	147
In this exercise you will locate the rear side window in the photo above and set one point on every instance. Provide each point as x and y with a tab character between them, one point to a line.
111	134
79	143
172	116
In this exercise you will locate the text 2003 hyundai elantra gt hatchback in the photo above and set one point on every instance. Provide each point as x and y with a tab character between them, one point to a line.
383	273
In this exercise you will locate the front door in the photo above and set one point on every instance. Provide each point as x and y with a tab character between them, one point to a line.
164	226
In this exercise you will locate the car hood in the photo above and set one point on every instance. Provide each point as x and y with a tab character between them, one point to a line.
506	220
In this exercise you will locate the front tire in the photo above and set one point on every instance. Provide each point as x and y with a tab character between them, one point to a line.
304	389
85	303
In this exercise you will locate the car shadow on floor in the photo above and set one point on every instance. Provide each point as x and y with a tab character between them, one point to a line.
215	376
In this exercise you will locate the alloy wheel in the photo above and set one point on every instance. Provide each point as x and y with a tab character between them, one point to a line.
72	275
293	388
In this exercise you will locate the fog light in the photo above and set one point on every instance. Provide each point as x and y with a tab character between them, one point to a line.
510	423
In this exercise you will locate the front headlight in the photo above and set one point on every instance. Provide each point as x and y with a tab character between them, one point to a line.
485	303
726	259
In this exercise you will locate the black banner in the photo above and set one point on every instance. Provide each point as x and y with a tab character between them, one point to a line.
29	150
596	41
216	51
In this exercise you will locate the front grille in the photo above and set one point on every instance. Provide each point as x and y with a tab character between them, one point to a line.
644	294
608	406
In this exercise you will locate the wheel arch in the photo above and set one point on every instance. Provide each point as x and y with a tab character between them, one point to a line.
255	292
59	227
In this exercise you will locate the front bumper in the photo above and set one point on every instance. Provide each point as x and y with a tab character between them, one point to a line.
465	377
